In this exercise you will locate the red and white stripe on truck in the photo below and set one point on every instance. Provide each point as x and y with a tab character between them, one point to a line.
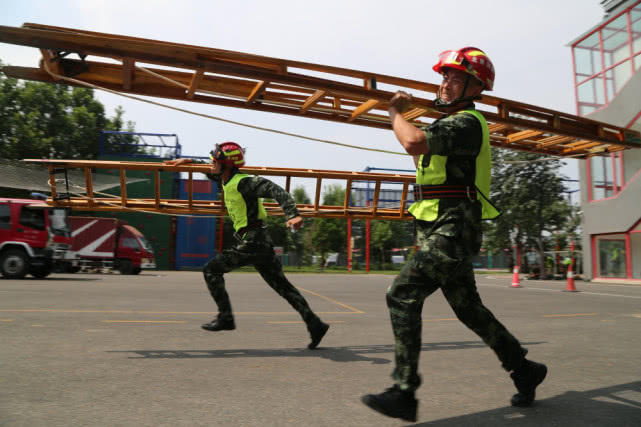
111	242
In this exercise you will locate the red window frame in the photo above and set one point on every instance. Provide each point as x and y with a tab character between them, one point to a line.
603	72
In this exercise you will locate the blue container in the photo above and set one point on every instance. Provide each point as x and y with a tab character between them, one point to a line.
195	237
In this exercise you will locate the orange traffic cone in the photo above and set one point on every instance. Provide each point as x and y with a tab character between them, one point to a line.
516	283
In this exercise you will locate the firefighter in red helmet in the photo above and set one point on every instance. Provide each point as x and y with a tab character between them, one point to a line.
243	198
451	197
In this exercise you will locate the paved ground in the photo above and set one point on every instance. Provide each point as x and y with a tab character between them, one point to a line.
128	350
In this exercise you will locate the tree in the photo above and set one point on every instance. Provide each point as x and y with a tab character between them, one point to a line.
280	236
529	192
52	121
381	236
328	234
300	196
298	239
387	235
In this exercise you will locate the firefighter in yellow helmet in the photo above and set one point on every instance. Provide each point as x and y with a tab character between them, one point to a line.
451	197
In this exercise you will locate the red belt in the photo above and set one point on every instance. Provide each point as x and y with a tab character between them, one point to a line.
426	192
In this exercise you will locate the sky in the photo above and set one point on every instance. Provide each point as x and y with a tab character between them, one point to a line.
526	40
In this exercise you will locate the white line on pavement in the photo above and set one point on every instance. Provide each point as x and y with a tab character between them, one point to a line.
559	290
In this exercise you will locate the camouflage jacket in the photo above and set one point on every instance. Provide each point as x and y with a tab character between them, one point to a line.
458	136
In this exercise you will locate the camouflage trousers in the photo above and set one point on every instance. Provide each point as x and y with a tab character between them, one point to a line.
254	249
444	262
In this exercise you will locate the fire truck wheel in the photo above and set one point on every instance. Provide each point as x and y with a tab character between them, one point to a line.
125	266
40	272
137	270
14	264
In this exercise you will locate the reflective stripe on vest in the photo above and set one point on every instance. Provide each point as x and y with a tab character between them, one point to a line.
236	205
435	173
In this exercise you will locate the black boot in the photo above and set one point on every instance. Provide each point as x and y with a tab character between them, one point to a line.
394	403
220	324
526	378
317	332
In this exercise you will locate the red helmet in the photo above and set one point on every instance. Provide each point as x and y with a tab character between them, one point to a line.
470	60
228	153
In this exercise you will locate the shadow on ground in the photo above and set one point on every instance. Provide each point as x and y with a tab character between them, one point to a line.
337	354
619	406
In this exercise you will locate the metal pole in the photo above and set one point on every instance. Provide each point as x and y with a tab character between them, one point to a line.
368	237
349	245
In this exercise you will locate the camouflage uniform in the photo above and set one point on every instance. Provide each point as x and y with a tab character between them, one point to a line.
255	248
443	260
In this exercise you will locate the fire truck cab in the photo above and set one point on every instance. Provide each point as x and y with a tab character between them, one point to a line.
33	236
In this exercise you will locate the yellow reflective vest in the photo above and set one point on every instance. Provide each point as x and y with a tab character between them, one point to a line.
435	174
236	204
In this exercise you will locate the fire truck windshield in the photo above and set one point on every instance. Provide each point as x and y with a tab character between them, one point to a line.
145	244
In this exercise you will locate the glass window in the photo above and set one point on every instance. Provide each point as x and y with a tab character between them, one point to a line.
584	110
602	182
587	92
587	56
610	84
5	217
611	255
608	59
145	244
635	253
615	35
32	217
615	42
618	55
599	90
592	92
129	242
635	16
617	77
583	63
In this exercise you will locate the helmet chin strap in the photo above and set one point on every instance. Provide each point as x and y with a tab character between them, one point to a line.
440	103
218	177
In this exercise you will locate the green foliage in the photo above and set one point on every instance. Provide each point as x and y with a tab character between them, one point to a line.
291	242
530	194
300	196
334	195
328	234
42	120
381	235
277	227
387	235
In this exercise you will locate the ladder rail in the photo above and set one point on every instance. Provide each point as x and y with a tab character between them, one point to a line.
241	80
155	203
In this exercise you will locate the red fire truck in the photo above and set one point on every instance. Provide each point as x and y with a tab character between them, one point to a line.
112	243
33	238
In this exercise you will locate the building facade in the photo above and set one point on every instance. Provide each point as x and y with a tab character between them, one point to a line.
607	79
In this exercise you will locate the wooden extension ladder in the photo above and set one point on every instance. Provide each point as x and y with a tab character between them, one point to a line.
86	200
242	80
